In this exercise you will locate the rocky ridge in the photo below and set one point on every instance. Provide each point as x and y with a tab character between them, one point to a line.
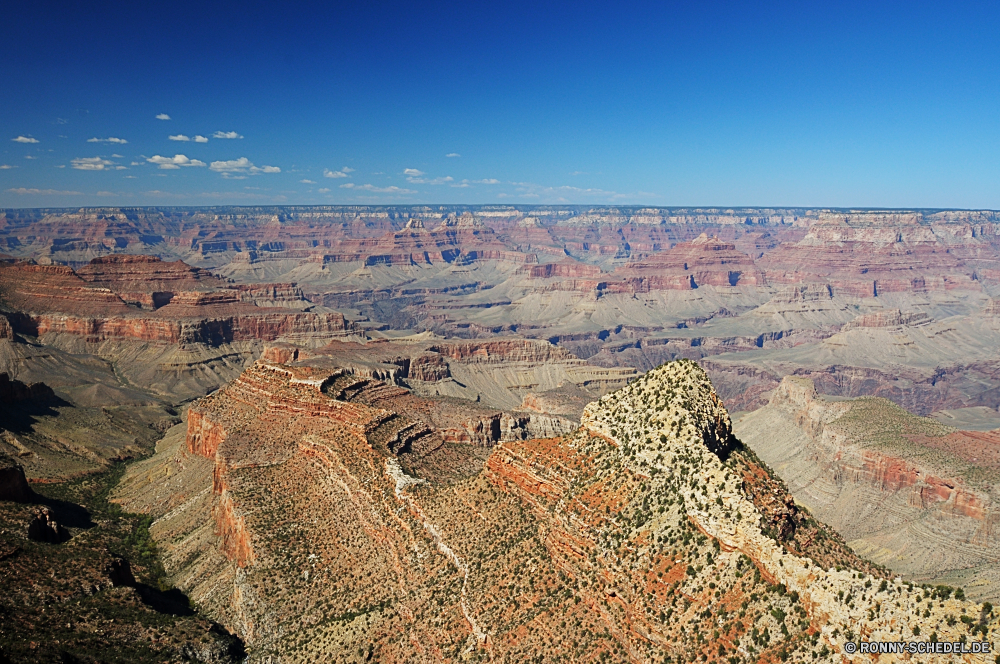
637	537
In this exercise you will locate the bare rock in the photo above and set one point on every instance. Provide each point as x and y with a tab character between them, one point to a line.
45	528
119	572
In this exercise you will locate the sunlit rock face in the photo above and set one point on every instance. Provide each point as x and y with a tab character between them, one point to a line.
648	532
908	492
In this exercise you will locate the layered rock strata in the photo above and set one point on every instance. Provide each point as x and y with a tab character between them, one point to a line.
641	536
908	492
52	300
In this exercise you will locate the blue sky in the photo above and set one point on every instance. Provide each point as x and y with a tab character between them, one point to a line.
788	104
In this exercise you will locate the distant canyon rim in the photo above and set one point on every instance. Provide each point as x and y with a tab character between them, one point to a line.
467	365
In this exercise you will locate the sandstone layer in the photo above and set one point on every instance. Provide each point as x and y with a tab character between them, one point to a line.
617	286
907	492
648	533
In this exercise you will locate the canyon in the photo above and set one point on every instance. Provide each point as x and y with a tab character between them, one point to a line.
649	532
910	493
756	293
493	411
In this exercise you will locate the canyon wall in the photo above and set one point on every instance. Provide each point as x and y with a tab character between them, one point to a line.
907	492
649	532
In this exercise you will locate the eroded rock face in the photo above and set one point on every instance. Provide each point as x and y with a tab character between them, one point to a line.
890	482
891	318
44	528
706	261
146	281
119	572
429	368
54	300
637	536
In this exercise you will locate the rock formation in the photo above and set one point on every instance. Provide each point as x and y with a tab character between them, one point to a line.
52	300
629	287
649	533
907	492
14	391
45	528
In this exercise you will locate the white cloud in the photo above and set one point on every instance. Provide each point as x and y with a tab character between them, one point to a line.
487	181
381	190
200	139
307	182
453	154
461	186
28	156
44	192
324	190
346	169
106	193
91	163
417	180
226	134
175	162
342	173
24	139
416	177
241	165
112	139
6	167
117	156
232	165
179	137
162	116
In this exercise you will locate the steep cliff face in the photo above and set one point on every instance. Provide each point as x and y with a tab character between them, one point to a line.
908	492
890	318
204	435
706	261
649	533
498	352
566	269
867	255
146	281
95	305
429	368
